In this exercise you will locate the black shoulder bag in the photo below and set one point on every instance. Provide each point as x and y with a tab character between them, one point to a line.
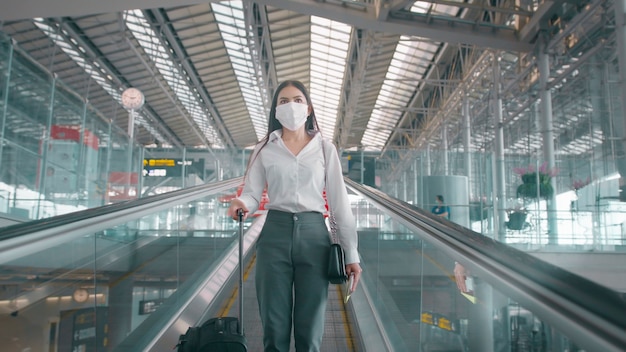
336	259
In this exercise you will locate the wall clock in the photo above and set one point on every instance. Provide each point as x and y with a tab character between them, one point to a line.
132	99
80	295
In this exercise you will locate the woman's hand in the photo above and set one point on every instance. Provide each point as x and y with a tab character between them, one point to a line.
232	209
460	274
354	269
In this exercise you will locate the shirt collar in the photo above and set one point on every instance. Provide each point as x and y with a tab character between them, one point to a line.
276	134
279	133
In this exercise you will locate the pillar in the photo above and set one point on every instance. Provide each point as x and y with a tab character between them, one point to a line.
543	61
467	135
619	123
444	142
499	201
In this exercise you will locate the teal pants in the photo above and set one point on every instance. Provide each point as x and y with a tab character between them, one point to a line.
291	280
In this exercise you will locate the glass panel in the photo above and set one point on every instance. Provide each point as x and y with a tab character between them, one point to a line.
26	114
586	214
56	151
413	288
101	286
94	172
175	168
120	160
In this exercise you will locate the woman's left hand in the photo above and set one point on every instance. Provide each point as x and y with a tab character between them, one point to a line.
354	269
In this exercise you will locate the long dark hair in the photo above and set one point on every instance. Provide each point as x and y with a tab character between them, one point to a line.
310	125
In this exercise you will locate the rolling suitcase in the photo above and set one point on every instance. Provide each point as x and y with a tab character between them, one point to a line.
223	333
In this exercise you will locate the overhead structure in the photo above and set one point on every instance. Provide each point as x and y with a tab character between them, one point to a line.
384	76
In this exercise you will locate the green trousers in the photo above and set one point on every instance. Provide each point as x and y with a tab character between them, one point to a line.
291	280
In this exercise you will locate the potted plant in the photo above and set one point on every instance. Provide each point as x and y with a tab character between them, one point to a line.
535	182
517	218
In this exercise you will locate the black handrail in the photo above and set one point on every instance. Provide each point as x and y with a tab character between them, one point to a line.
590	314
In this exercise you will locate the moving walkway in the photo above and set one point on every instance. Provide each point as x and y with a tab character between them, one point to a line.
133	276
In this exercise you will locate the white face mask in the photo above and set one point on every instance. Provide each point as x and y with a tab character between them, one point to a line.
292	115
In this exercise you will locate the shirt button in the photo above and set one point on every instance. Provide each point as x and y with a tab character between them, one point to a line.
295	218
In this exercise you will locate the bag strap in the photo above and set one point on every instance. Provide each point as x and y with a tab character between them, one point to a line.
331	216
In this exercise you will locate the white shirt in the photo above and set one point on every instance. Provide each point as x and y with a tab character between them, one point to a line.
295	184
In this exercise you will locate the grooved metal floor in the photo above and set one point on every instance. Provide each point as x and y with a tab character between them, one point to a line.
336	330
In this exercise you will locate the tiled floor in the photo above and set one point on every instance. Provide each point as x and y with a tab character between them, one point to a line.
336	327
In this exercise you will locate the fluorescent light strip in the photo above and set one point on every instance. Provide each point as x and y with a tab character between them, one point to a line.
98	75
329	49
188	97
229	16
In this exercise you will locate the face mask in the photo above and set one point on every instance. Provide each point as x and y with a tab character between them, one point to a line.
292	115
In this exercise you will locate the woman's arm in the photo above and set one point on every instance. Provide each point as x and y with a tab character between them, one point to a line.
339	204
254	184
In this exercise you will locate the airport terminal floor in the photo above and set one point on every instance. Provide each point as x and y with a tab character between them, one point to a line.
133	276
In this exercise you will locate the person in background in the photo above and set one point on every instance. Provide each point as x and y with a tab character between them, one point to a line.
441	209
294	245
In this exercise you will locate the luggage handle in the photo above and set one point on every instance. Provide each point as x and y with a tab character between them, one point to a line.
240	217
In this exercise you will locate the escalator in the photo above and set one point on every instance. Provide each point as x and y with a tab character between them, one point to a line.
133	276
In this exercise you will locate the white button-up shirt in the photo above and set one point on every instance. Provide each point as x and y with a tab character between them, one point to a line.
296	183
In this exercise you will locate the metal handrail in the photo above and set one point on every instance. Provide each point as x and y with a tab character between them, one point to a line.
19	240
590	314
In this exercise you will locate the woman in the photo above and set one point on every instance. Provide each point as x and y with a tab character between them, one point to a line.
293	247
440	209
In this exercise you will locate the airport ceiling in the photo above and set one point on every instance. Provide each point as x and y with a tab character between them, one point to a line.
375	69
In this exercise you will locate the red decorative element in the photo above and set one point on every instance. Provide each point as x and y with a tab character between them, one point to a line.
72	132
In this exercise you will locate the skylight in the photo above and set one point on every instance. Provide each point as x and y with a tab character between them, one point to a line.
98	75
171	73
410	63
408	66
329	49
229	17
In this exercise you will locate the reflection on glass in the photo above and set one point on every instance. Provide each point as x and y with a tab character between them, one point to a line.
414	291
91	292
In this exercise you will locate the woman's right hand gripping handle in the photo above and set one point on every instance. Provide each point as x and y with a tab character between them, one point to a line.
235	205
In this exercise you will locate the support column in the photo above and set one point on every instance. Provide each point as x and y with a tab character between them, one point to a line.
415	175
362	167
427	171
444	141
81	170
184	169
467	135
543	61
45	146
597	75
142	157
219	174
107	167
404	186
619	121
499	201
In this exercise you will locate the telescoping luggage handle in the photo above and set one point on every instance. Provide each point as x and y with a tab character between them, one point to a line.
240	217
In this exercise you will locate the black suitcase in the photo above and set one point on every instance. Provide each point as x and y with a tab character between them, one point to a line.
224	334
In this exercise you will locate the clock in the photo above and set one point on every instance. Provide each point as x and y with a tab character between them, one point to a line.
80	295
132	99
